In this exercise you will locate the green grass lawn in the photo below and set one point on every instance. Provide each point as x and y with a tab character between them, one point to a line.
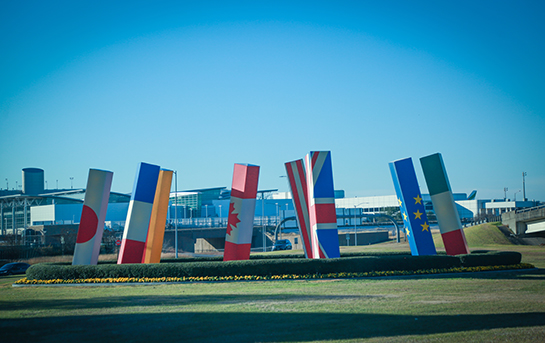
478	307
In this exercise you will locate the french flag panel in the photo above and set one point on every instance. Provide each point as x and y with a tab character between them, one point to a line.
138	215
156	231
321	200
443	204
93	214
299	195
416	222
240	223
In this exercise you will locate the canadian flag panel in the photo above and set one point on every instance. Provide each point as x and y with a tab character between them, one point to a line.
241	220
93	214
299	194
240	223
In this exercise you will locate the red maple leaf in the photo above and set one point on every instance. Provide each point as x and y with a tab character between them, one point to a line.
232	220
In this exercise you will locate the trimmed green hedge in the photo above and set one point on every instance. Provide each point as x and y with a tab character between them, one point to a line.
490	258
270	266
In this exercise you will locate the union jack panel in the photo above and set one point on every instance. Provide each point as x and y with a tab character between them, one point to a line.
299	195
321	197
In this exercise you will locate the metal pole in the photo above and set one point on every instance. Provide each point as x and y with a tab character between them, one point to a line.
24	220
355	228
523	186
263	221
176	213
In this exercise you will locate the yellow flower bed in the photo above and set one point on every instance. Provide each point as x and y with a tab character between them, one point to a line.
26	281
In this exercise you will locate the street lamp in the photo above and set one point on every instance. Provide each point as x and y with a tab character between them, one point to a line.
355	226
515	197
71	182
176	214
524	186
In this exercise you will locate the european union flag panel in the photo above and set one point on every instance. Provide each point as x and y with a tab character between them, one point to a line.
240	223
138	215
321	198
443	204
299	194
156	231
93	214
412	208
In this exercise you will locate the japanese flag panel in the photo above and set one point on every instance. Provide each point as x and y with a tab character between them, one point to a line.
91	226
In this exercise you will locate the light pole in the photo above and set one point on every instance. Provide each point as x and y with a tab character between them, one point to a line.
524	186
355	226
515	197
176	214
505	189
71	182
221	224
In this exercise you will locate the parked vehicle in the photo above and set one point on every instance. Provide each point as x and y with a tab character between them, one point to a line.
282	244
14	268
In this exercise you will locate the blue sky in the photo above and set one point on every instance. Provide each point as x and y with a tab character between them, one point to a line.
198	86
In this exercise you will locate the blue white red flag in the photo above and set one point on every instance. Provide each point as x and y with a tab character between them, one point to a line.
299	195
322	213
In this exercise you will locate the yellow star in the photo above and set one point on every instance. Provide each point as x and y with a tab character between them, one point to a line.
418	200
417	214
408	233
404	216
399	202
425	227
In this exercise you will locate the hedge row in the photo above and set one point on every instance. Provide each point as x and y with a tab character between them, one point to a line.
269	267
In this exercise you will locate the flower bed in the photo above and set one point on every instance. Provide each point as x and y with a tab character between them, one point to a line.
342	275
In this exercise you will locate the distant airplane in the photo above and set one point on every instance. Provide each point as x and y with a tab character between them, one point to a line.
472	195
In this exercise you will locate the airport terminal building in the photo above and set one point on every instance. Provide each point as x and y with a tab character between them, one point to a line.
34	215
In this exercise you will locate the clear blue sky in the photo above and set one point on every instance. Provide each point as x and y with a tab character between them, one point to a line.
198	86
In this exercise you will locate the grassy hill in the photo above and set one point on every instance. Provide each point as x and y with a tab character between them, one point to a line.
478	236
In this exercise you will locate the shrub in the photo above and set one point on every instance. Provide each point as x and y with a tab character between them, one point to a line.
256	267
491	258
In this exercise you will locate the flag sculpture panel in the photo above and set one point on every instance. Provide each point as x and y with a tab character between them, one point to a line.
322	213
412	208
443	204
93	214
299	195
138	215
156	232
240	223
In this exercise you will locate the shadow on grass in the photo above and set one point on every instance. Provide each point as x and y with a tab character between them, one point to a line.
526	274
251	326
167	300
